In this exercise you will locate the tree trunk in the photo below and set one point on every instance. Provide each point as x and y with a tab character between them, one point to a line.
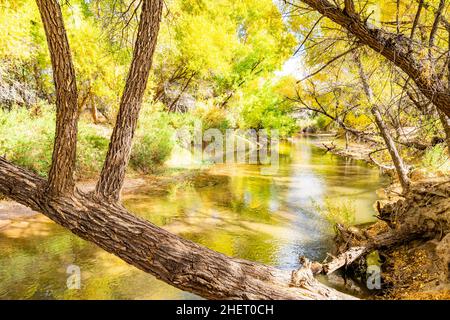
61	173
416	19
179	262
434	28
400	167
396	48
387	239
445	121
94	112
113	172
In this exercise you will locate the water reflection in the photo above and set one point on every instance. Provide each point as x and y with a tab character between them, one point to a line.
234	210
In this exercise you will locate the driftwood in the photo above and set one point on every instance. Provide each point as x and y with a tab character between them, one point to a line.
329	148
387	239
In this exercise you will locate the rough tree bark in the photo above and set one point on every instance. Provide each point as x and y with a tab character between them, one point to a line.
445	120
416	19
61	173
400	167
113	173
394	47
434	28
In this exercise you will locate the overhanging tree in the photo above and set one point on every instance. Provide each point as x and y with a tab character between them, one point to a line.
100	218
397	48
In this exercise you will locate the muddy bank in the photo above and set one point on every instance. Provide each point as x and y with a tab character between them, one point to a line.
419	269
411	241
328	142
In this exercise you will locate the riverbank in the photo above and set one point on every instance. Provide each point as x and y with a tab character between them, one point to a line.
419	267
366	151
329	142
416	265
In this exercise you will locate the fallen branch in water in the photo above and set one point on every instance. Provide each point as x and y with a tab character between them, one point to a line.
384	240
329	148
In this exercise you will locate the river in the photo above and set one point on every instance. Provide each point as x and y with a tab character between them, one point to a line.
237	210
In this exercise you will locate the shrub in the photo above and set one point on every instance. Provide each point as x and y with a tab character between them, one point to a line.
153	143
212	117
27	139
337	211
267	110
27	136
91	150
436	158
322	121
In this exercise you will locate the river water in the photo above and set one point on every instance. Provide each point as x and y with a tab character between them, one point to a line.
236	209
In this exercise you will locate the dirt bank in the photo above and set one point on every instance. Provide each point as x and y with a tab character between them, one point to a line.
419	269
412	240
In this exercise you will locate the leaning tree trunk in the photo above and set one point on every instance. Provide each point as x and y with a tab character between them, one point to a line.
394	47
61	178
177	261
113	173
400	167
445	121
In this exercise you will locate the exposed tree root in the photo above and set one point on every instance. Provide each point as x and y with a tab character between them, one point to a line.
412	236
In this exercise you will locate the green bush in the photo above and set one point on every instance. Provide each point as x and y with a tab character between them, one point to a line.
322	122
336	211
153	142
436	158
27	139
91	150
268	110
212	117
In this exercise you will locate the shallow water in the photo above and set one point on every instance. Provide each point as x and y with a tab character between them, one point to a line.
236	210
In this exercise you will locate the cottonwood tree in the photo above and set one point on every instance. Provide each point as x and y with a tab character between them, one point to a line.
100	218
401	50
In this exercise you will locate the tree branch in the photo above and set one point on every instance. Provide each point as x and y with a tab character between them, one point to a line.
395	48
61	179
113	172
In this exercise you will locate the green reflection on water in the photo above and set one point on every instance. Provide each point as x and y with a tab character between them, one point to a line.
235	210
